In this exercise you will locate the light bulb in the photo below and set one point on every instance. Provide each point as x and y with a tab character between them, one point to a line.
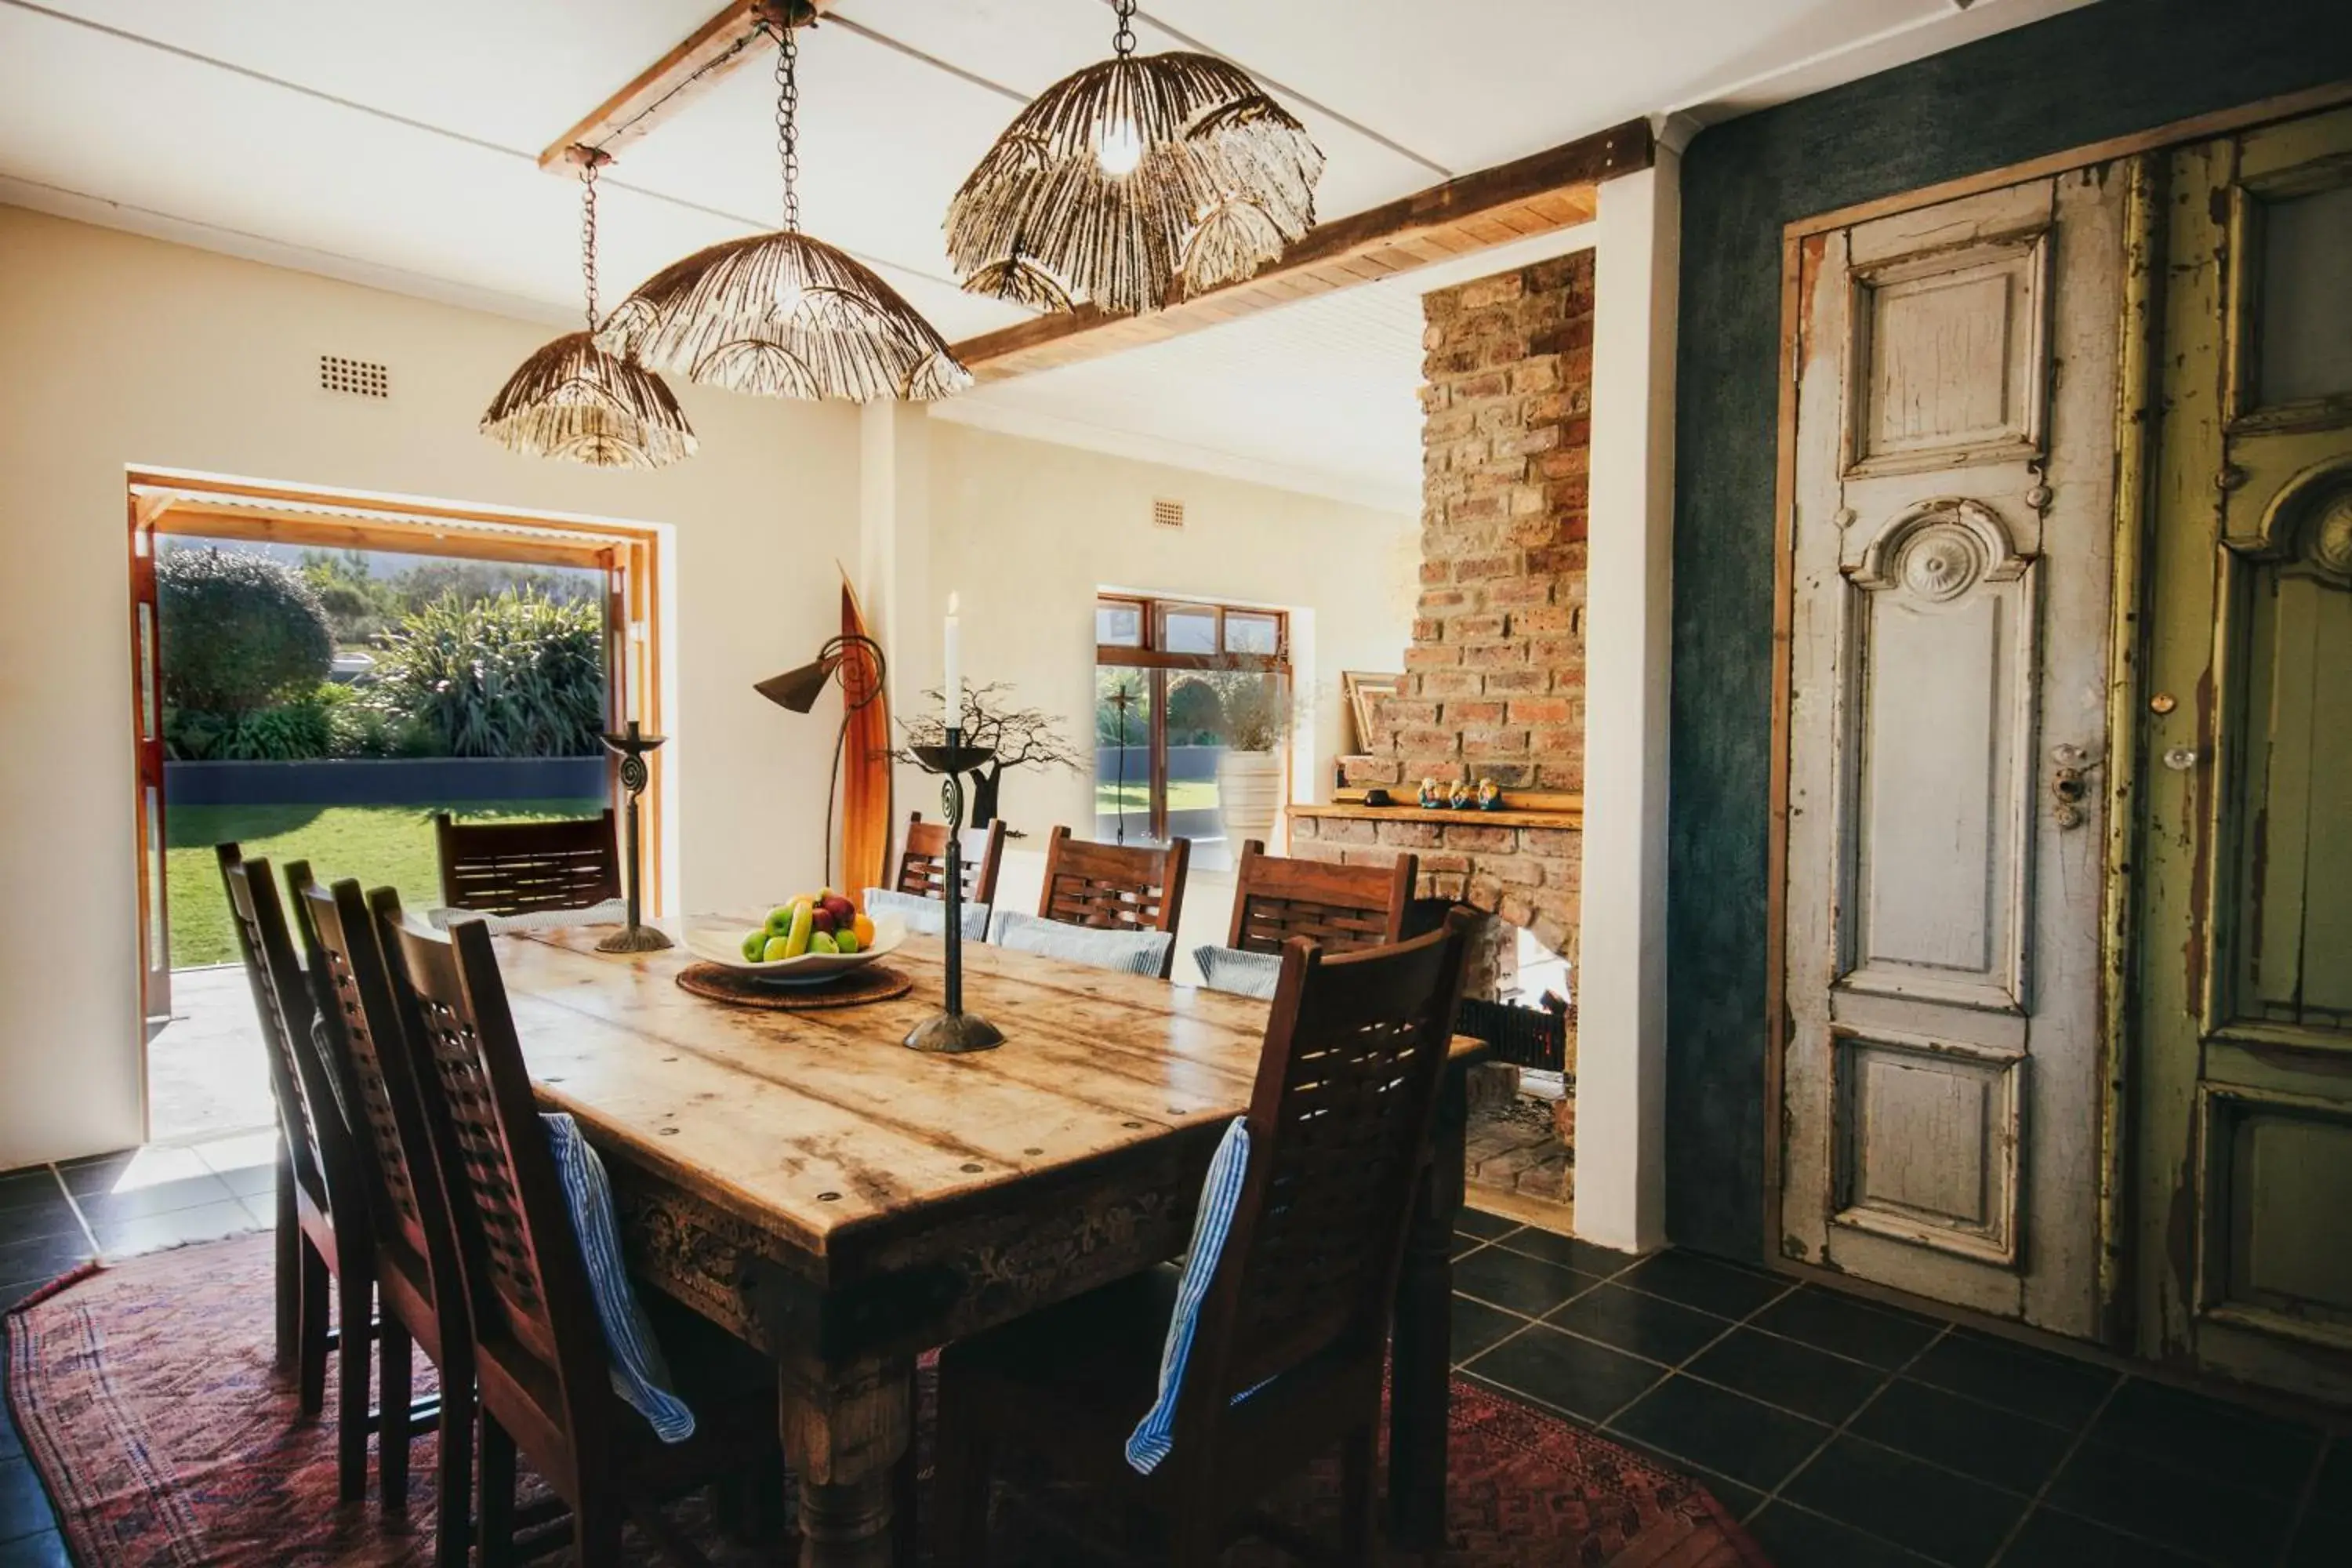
1120	149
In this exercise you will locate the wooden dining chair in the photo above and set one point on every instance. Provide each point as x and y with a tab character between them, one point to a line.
423	1301
1115	887
322	1207
543	1370
923	860
1286	1360
1339	908
520	868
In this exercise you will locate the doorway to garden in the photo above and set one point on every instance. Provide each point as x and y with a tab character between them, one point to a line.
316	676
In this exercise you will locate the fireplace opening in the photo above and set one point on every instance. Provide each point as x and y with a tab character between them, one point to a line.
1522	1133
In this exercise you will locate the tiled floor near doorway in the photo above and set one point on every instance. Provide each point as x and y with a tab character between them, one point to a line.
1846	1434
1849	1435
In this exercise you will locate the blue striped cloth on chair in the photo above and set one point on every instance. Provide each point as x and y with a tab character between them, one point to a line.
640	1375
1219	1194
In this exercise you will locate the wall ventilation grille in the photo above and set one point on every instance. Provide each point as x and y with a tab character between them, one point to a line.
1168	514
359	377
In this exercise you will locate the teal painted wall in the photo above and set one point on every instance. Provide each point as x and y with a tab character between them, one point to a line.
2109	69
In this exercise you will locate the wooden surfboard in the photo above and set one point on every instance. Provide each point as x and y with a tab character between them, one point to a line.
864	768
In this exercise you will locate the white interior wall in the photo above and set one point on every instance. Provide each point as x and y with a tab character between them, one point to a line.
117	350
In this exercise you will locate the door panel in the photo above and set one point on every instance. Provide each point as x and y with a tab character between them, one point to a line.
1952	547
2244	991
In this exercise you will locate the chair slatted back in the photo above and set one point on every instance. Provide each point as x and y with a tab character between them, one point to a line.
282	999
526	1282
923	862
1340	1126
1115	887
518	867
406	1203
1338	908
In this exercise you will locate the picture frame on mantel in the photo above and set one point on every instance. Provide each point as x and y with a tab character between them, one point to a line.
1364	688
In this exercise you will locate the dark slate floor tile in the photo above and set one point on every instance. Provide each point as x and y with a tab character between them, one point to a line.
32	1185
41	1258
152	1232
47	1549
1477	1327
1974	1439
1725	1289
23	1507
2323	1540
2036	1382
1791	1376
1513	1280
37	1215
14	1290
1644	1324
2054	1539
2225	1442
1586	1380
2206	1517
1749	1441
252	1182
1478	1222
1846	1327
1464	1244
1798	1538
1569	1251
156	1198
95	1173
1930	1509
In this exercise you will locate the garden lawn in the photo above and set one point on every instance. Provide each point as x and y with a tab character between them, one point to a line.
1183	794
376	844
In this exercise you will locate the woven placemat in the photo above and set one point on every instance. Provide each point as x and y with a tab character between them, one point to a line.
870	982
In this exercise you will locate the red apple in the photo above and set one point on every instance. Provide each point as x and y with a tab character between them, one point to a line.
823	919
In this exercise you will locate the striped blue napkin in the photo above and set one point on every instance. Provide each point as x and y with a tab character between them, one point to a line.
640	1375
1219	1194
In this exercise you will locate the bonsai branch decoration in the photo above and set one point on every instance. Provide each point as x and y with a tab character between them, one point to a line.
1017	738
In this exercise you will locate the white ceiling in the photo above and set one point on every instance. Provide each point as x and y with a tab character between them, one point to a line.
398	146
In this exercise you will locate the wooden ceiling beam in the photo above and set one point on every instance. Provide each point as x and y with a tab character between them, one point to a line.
704	56
1536	195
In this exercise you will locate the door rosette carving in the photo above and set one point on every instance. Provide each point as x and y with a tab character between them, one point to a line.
1938	550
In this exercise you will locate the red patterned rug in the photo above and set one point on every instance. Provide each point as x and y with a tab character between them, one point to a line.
147	1400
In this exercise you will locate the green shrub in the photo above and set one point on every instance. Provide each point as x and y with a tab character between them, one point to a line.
516	676
362	726
239	631
291	732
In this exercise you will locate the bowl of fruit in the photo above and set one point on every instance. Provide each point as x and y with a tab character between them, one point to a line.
804	940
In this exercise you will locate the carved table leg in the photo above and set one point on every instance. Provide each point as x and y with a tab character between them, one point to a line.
846	1426
1419	1374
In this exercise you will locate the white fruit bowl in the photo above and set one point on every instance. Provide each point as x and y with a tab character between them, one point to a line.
715	938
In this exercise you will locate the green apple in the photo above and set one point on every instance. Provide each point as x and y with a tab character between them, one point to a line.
777	947
845	940
755	942
822	942
779	920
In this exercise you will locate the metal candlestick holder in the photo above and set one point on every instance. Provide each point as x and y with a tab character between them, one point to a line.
631	746
951	1029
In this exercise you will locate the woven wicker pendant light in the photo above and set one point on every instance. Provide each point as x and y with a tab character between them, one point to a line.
573	400
780	314
1134	183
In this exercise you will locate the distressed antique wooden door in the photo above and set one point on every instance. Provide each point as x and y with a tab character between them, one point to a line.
2244	1006
1955	437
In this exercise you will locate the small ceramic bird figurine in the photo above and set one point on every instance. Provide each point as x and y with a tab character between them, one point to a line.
1490	796
1429	796
1458	798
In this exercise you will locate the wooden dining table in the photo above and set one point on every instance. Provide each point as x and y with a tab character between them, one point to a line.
844	1203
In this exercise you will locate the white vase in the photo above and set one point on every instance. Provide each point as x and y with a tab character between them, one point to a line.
1249	792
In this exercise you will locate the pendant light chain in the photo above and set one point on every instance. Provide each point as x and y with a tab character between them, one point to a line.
788	113
588	234
1123	41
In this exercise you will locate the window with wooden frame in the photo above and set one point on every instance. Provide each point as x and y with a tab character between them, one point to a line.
1178	685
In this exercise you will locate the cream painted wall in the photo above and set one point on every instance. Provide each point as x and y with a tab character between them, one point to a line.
1027	532
117	350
